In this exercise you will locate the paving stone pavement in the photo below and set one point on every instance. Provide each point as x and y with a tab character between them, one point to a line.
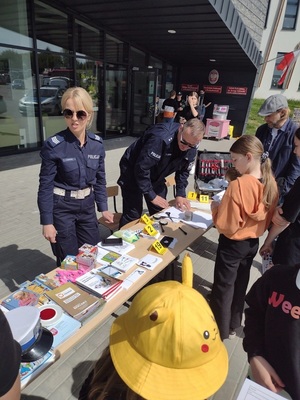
25	253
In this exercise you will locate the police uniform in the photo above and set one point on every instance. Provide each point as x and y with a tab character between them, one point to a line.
145	165
72	179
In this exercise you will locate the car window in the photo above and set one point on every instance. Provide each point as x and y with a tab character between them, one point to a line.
48	92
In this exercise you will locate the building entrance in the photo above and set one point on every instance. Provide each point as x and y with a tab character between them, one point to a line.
143	100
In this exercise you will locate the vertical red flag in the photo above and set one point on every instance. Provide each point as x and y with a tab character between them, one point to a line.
285	64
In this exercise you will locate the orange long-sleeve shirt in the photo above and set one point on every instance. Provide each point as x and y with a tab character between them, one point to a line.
241	213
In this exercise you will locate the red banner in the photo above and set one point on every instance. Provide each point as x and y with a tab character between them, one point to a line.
189	87
242	91
212	89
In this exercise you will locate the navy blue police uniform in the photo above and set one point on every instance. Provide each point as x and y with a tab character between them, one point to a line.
72	179
145	165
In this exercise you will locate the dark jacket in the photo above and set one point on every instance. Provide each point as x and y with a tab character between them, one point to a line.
154	156
68	166
272	324
285	164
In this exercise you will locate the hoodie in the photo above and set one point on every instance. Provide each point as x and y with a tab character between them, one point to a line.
241	214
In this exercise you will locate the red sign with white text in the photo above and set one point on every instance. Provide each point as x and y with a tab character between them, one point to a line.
189	87
212	89
236	90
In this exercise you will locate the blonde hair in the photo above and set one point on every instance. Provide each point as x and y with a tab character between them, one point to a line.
81	98
106	381
251	144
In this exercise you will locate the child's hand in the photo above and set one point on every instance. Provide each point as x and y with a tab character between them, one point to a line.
214	204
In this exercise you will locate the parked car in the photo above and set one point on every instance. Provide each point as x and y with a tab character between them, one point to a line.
50	98
60	81
18	84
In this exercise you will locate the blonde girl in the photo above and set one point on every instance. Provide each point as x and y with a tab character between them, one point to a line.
242	216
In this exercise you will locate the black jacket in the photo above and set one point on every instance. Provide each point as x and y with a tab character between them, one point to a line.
154	156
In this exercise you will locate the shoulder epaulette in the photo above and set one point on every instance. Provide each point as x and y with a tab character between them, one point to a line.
95	137
56	139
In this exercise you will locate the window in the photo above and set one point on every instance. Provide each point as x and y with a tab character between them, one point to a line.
116	50
89	42
291	13
277	74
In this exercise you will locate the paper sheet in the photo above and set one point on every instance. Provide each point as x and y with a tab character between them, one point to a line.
200	219
252	391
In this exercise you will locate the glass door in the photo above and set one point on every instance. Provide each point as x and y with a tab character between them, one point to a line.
143	100
116	99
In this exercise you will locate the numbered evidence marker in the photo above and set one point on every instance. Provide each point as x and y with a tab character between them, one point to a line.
150	230
192	196
145	219
158	247
204	198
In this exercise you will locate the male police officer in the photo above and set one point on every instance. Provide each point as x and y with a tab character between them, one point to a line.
162	150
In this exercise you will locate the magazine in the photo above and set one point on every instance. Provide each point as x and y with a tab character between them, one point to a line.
65	327
39	288
98	283
125	262
19	298
29	370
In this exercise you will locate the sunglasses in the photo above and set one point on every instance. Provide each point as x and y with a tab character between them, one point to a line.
82	115
185	143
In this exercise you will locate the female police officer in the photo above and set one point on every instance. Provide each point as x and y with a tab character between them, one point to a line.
72	179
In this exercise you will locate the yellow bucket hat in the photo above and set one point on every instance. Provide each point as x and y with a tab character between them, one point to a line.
167	345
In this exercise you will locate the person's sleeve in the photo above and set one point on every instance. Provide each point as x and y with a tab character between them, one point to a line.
291	174
149	157
10	357
255	315
227	216
100	186
45	192
291	207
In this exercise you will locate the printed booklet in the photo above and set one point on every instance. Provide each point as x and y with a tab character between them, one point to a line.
75	301
100	284
125	262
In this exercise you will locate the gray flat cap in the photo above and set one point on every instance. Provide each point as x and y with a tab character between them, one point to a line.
272	104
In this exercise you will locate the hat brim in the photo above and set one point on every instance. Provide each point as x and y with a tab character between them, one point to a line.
40	347
156	382
265	114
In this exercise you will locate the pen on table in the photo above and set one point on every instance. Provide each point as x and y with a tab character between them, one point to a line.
182	230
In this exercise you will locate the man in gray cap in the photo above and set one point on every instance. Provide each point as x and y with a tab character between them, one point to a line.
277	137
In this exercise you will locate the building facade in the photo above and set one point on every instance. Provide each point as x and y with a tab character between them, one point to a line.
48	46
281	35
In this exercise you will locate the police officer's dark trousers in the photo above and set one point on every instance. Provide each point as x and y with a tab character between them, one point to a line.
76	223
231	277
133	202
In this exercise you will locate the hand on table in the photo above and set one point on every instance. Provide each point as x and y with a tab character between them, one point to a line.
160	202
182	203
